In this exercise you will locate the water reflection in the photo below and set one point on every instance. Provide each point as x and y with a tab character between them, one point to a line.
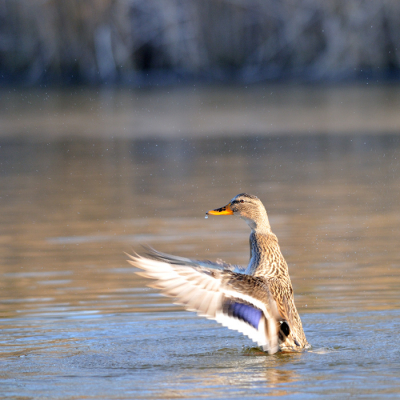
200	111
70	209
241	377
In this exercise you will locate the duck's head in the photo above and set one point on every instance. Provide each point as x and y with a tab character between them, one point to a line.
247	207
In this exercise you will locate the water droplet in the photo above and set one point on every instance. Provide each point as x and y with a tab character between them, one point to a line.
206	216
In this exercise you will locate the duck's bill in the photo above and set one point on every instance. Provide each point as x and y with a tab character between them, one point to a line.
226	210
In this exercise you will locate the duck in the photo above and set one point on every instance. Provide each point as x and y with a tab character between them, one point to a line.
256	300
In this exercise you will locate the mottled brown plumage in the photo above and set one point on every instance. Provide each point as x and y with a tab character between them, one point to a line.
257	301
268	263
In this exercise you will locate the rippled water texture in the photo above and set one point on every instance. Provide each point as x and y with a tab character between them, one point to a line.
76	322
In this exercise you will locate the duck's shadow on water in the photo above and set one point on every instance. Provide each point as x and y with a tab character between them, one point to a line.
255	351
280	373
251	368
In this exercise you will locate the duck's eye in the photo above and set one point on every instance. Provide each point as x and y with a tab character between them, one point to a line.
242	201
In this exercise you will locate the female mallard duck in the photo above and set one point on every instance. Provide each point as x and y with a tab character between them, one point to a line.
257	300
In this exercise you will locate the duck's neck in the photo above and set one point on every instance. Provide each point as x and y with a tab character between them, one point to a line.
265	255
259	225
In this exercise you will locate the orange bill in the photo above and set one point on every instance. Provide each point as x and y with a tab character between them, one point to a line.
226	210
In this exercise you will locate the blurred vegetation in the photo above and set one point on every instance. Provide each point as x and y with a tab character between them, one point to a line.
121	41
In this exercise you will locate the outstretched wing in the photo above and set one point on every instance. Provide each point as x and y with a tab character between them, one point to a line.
169	258
237	301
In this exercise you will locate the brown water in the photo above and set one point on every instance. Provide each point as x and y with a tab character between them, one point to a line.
78	323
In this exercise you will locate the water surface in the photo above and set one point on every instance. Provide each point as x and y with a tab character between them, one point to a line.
76	322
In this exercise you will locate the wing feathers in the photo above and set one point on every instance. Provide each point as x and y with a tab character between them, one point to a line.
237	301
176	260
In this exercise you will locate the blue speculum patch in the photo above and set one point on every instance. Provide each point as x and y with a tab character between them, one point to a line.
246	313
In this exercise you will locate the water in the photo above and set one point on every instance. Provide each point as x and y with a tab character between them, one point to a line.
77	322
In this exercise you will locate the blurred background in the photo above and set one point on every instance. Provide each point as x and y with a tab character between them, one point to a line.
123	121
178	68
235	41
